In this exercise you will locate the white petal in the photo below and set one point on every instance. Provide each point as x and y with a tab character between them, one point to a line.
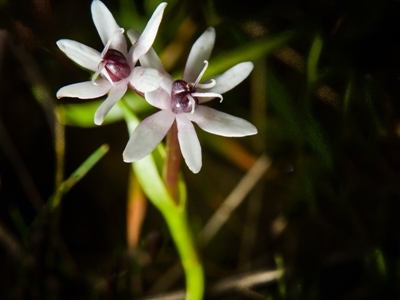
81	54
159	98
149	133
116	93
189	143
85	90
106	26
220	123
133	35
228	80
145	79
201	51
150	59
166	82
148	35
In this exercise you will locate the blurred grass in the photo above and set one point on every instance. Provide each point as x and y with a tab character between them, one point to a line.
76	176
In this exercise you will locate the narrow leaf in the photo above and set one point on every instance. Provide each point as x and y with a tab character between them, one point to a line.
78	174
313	58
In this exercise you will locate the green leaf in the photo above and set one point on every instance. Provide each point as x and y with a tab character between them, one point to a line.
318	141
281	101
249	52
380	263
309	128
313	58
347	96
77	175
82	114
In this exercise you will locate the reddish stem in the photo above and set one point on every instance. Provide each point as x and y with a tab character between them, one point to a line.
172	163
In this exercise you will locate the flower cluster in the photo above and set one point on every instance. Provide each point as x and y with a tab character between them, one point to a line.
115	64
179	101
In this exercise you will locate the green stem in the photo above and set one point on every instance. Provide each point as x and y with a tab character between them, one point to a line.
177	218
182	236
173	210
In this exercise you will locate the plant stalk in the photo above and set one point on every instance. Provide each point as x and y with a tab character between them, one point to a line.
172	163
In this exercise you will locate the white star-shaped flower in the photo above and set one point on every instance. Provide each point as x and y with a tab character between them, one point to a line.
115	64
180	101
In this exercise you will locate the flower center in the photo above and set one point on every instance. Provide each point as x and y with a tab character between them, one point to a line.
113	66
181	98
116	65
184	97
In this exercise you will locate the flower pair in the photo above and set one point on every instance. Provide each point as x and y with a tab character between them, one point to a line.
115	64
179	101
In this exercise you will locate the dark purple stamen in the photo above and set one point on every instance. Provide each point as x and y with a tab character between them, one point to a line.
116	65
181	99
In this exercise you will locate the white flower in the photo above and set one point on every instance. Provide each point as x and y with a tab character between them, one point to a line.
115	64
179	101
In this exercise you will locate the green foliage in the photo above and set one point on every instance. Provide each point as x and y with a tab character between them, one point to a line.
81	114
251	51
76	176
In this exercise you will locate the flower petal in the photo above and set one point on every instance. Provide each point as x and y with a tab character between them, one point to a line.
150	59
145	79
201	51
159	98
189	143
149	133
148	35
228	80
133	35
166	82
116	93
81	54
85	90
107	26
220	123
